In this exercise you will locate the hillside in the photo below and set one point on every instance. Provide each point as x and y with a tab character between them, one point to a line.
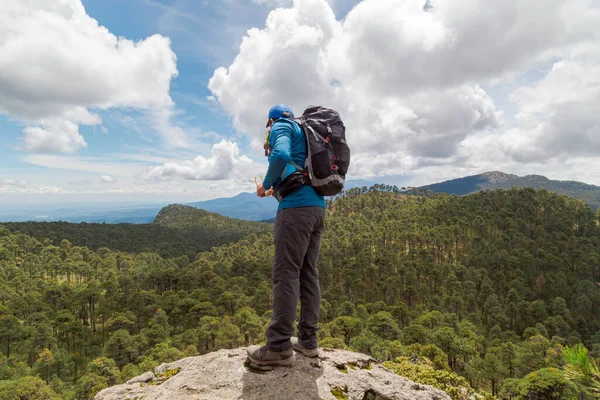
176	231
499	180
185	216
479	292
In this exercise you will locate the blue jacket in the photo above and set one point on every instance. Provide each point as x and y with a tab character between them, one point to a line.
289	145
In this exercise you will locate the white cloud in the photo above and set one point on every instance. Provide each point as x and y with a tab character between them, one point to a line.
397	46
11	186
169	188
558	116
98	165
58	63
61	137
137	191
224	162
408	82
147	189
107	179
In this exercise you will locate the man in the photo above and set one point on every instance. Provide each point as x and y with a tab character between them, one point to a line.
297	234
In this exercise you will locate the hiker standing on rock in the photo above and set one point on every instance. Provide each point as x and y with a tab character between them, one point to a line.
297	235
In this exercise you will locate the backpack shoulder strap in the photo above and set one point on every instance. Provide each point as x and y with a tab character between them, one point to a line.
300	122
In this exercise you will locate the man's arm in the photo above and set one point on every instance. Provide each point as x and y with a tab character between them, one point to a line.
281	155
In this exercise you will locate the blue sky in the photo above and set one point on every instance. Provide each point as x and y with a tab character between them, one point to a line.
201	45
204	35
114	101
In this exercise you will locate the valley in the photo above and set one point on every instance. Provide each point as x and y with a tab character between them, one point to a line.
477	292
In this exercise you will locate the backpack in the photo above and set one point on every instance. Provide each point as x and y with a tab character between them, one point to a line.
327	157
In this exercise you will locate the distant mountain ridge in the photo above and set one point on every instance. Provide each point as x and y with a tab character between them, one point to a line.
248	206
500	180
245	205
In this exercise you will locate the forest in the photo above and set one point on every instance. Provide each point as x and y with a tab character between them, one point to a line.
177	230
495	293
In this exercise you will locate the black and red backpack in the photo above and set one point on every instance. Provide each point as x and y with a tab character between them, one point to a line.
328	154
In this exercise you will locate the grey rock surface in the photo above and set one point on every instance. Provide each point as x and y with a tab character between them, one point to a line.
145	378
225	374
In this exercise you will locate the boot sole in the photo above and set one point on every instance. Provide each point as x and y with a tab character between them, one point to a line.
287	361
308	353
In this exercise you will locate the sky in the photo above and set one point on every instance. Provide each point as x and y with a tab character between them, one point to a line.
148	101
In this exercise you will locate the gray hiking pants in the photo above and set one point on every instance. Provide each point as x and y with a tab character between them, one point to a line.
297	234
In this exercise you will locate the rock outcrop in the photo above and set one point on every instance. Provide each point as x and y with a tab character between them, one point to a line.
225	374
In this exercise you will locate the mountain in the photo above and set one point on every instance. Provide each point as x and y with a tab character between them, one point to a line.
499	180
186	216
245	205
248	206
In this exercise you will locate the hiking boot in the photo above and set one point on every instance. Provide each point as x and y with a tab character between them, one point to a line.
261	355
296	345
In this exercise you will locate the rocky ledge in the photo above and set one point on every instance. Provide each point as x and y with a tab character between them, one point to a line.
225	374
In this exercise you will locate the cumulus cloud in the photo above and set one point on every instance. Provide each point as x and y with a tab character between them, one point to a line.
107	179
59	65
224	162
558	116
407	79
60	137
382	116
